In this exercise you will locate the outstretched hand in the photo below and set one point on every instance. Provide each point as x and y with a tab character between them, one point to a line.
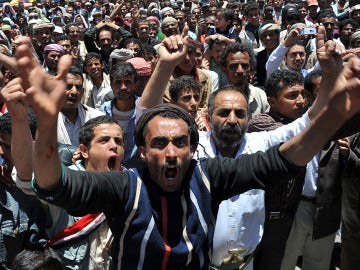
15	98
173	49
45	93
345	96
329	53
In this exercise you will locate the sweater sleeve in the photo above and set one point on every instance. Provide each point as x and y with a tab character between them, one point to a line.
275	59
229	177
89	40
83	192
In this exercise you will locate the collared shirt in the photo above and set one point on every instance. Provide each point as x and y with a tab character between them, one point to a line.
68	132
245	212
73	129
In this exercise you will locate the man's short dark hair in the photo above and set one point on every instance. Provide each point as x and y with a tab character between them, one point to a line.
132	40
146	49
42	258
167	111
226	88
228	13
297	43
345	22
67	27
215	41
250	6
104	28
142	20
324	14
62	37
5	123
92	55
190	15
309	84
235	48
122	69
281	79
86	133
75	70
181	83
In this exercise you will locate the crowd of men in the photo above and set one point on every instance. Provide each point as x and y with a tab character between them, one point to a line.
181	134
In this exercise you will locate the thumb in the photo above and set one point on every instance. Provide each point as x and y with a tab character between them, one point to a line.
64	66
185	31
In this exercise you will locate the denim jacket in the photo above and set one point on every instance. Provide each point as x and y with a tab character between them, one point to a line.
22	223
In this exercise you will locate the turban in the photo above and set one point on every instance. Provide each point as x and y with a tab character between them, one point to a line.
54	47
153	19
355	36
354	8
269	27
166	9
43	25
143	67
168	20
121	54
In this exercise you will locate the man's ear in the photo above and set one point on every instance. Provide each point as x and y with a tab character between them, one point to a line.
192	150
207	117
271	101
142	152
84	151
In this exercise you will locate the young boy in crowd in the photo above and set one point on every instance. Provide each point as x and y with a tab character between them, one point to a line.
185	93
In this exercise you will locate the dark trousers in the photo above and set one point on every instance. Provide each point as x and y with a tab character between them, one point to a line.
270	251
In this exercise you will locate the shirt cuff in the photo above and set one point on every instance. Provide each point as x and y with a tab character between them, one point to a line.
46	194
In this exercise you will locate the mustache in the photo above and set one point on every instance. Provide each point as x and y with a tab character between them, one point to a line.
170	162
231	128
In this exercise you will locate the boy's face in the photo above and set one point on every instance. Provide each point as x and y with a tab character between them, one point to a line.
123	88
295	57
189	100
220	21
253	17
106	150
290	102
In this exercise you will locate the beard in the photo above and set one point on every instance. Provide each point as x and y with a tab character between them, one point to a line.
228	136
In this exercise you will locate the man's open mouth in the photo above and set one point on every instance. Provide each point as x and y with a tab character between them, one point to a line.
72	100
112	163
170	172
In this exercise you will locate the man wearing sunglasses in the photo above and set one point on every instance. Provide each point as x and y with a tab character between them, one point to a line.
238	63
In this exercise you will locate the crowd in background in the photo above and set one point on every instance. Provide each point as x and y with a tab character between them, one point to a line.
123	65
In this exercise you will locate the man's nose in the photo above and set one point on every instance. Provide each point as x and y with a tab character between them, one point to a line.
231	119
170	151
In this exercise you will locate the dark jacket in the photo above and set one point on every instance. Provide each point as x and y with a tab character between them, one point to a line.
90	39
153	228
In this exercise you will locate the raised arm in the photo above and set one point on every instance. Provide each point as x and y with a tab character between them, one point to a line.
172	51
329	56
344	102
46	96
21	139
116	10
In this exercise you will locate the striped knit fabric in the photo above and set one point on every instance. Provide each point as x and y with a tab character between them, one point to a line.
155	235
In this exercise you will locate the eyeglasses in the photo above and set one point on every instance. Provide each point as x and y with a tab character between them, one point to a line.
33	17
233	67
